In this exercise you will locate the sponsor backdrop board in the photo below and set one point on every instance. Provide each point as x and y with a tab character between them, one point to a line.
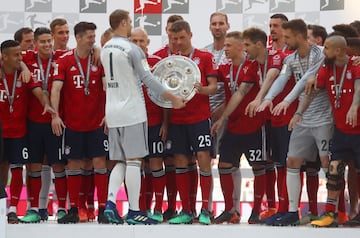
152	14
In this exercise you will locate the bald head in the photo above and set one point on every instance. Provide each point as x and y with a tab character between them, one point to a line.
337	42
335	48
140	38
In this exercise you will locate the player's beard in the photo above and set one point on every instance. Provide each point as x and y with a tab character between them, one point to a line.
273	37
329	61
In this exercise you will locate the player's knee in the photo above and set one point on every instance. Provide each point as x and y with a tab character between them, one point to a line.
335	175
259	171
269	167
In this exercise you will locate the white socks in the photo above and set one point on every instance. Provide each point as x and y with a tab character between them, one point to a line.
293	186
116	178
133	183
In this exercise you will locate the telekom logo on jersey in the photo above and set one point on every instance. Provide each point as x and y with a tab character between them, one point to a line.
3	95
78	81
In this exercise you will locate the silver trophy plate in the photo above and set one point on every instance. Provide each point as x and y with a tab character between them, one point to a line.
177	74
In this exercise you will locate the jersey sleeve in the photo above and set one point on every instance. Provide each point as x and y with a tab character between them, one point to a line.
300	85
221	77
142	69
281	80
60	69
356	72
34	83
210	65
276	61
27	56
322	76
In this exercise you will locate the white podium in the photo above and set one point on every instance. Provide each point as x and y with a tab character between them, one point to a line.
3	218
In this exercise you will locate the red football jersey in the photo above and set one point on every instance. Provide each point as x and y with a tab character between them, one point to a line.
326	79
154	112
238	122
164	52
30	58
198	108
13	124
286	51
81	112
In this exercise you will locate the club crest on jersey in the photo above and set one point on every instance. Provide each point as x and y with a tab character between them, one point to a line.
145	65
348	75
245	69
94	68
196	60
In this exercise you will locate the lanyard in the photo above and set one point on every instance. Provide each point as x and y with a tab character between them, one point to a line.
11	97
307	63
45	79
191	53
169	51
87	78
283	48
262	75
233	83
338	87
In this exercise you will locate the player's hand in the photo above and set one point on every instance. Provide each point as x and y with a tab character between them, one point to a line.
265	104
311	84
199	88
163	131
25	75
280	108
178	102
351	116
152	69
297	118
48	109
251	108
104	124
57	125
215	127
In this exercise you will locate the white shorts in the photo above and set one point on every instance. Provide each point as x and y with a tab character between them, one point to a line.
306	142
129	142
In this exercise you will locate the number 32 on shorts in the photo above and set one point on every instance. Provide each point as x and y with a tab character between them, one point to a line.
255	155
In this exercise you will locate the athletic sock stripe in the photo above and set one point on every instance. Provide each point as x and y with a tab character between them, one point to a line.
181	170
73	172
258	172
100	171
192	167
226	170
293	171
205	174
60	174
133	163
85	172
158	173
35	174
